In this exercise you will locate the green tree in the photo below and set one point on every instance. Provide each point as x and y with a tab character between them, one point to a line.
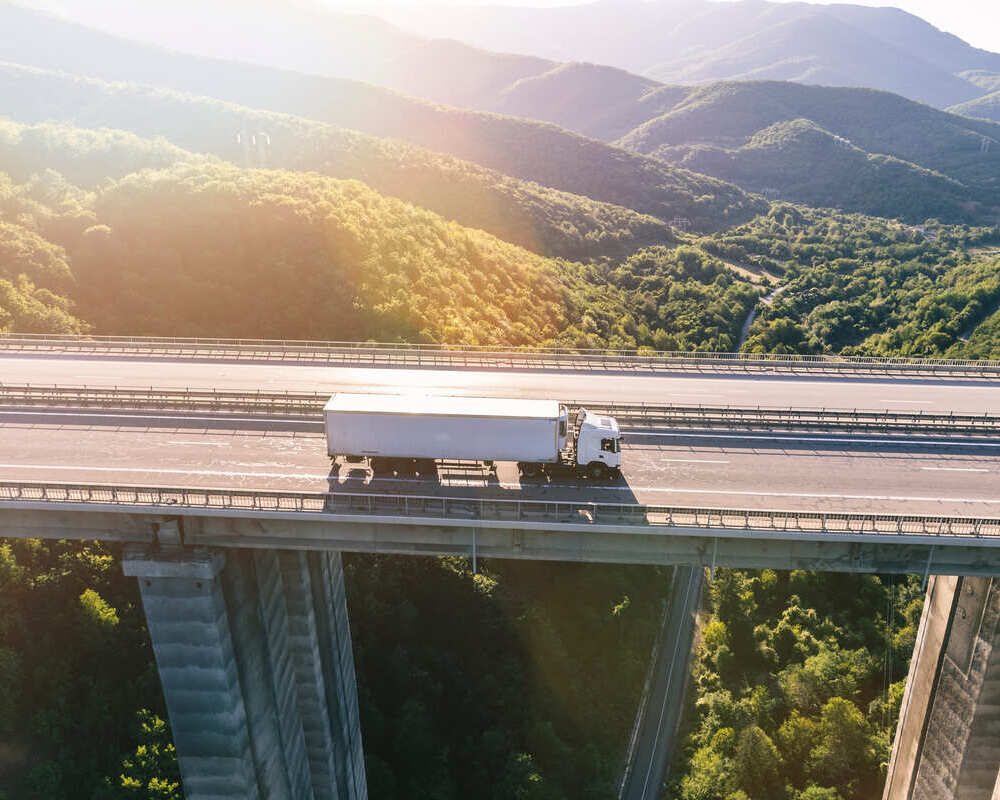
151	772
757	765
842	753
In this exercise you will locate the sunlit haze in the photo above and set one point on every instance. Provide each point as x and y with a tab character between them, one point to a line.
976	21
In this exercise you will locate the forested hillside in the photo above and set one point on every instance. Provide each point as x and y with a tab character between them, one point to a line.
285	255
519	148
985	107
855	284
800	161
855	149
544	220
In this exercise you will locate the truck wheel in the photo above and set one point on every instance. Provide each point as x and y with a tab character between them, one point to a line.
597	470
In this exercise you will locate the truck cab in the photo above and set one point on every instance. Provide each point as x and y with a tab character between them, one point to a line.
598	445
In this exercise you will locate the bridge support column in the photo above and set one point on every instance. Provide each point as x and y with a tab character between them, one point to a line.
947	744
254	654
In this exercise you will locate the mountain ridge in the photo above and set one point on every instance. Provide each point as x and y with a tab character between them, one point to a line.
523	149
677	41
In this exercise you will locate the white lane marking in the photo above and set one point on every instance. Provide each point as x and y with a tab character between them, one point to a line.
693	460
634	489
814	439
954	469
818	496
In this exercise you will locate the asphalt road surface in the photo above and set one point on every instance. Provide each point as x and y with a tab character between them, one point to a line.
871	393
664	704
779	472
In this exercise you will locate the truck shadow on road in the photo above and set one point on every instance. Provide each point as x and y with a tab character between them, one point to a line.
444	479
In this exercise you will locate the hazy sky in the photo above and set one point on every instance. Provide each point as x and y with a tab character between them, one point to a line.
976	21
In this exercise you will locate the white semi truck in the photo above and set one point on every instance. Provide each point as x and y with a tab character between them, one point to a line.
402	432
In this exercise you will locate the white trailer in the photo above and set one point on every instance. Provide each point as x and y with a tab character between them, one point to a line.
396	431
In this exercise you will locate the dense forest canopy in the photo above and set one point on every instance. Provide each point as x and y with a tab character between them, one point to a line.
799	678
857	284
308	256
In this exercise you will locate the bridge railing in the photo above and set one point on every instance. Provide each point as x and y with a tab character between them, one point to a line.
652	415
770	418
427	354
128	398
427	509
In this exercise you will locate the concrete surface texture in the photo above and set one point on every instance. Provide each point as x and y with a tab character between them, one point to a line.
948	741
254	654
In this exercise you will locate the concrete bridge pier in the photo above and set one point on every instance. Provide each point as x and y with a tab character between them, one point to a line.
947	744
254	653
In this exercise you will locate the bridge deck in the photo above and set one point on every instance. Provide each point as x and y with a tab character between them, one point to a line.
932	394
807	472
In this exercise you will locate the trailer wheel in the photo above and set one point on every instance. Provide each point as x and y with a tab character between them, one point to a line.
597	470
528	470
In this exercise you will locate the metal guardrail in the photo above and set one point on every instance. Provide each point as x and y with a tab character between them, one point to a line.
800	419
644	414
123	398
444	355
430	510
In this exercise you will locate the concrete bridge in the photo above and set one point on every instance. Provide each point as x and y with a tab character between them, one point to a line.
239	566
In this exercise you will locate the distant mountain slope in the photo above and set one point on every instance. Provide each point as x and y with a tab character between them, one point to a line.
728	113
986	107
678	41
544	220
530	151
800	161
983	78
820	49
596	101
792	140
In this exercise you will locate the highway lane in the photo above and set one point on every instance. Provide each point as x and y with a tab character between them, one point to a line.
902	394
792	473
